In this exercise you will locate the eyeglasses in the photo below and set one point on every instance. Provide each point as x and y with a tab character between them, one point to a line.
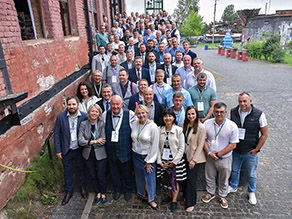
220	112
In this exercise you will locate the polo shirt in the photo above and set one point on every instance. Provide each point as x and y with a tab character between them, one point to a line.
227	135
207	95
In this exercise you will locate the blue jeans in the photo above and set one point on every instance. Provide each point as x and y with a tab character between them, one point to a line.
143	177
250	162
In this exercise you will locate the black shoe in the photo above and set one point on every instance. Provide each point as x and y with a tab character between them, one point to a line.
83	192
103	200
66	198
166	200
173	206
96	201
156	208
128	196
116	195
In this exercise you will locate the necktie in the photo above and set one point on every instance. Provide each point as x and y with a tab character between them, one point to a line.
139	77
107	106
167	70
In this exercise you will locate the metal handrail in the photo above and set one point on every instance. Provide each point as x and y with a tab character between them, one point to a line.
47	143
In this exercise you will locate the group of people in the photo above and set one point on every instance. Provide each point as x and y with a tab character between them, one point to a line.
154	113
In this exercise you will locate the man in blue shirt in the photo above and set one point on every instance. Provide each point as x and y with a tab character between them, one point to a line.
176	87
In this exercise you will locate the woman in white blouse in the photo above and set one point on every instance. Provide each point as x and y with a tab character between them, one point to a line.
86	96
145	137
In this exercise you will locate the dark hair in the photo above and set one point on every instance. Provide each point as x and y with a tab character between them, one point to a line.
244	93
72	97
123	69
187	121
89	88
219	105
101	46
164	113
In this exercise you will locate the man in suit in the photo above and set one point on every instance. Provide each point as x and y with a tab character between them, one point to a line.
132	47
139	72
186	46
106	92
129	63
125	88
119	146
67	149
142	52
138	98
100	61
148	36
168	68
154	107
150	48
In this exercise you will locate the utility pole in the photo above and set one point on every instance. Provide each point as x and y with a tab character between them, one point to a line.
214	22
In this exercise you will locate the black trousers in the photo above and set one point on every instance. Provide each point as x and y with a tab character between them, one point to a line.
191	187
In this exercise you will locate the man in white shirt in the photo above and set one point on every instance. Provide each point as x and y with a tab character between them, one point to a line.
221	139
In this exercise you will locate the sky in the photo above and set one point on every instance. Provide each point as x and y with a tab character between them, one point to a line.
207	6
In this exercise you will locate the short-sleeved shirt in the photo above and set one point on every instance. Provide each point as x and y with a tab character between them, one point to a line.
168	95
183	73
227	135
159	90
207	95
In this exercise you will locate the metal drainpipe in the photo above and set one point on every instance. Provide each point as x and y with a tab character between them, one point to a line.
89	32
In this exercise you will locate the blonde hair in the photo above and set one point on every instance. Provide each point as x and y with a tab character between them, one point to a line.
96	107
142	107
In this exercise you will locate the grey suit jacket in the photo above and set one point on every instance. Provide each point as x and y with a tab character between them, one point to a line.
84	132
131	87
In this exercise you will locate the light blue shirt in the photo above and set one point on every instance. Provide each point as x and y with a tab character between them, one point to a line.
183	73
168	95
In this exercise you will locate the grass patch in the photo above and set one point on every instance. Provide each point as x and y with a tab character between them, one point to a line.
288	57
40	191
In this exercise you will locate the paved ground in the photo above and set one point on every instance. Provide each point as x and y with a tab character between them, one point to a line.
270	87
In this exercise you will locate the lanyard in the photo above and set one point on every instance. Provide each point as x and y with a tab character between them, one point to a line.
106	106
217	133
94	133
166	139
114	71
73	122
179	116
152	69
99	90
117	125
200	93
240	115
188	131
157	88
139	132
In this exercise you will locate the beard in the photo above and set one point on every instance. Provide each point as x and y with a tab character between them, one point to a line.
72	111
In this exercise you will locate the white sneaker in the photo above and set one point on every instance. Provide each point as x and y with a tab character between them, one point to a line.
230	189
252	198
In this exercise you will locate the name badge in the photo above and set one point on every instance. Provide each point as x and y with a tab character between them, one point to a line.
114	79
168	81
214	146
115	136
73	135
200	106
166	153
138	147
152	77
241	133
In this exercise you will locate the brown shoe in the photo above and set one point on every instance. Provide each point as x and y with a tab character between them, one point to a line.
83	192
207	198
223	202
66	198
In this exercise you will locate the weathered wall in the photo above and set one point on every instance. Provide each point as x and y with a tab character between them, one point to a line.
35	66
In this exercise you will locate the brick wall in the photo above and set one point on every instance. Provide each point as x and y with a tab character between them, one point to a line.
34	66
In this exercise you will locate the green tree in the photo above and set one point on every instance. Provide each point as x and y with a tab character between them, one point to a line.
184	7
193	25
229	15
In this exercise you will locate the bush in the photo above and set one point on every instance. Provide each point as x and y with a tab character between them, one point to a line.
255	49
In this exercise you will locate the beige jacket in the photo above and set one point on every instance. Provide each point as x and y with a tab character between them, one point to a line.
176	142
195	144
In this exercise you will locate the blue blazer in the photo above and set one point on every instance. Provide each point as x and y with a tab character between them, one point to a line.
125	65
135	100
145	75
62	132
